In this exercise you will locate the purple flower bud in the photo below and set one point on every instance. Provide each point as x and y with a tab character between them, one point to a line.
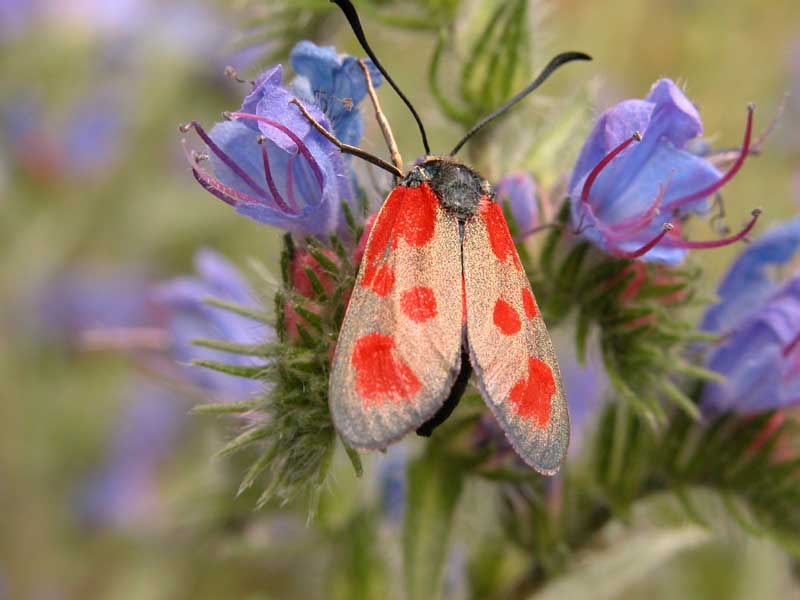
635	174
519	190
270	163
759	318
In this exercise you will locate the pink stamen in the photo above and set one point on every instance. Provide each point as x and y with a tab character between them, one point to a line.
631	227
302	148
216	187
724	241
790	347
223	156
290	182
709	190
647	247
594	173
276	195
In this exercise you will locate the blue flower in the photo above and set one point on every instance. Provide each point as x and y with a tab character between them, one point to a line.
335	83
627	188
519	190
759	318
190	317
271	164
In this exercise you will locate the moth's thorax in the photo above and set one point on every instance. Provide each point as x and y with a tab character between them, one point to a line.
458	187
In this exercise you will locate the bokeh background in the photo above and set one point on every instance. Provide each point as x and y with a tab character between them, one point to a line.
108	488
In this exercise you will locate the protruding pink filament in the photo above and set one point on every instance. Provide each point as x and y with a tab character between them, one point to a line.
276	195
290	182
647	247
708	190
594	173
229	162
629	228
790	347
302	148
723	241
215	187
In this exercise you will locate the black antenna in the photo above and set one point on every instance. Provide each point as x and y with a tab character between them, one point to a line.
355	24
556	62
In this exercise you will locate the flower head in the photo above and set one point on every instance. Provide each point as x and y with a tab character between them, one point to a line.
635	176
759	317
519	190
270	163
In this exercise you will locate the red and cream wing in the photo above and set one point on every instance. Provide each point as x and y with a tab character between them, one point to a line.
510	349
399	349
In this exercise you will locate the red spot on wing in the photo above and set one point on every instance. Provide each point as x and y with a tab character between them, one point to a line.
408	213
506	318
417	221
418	304
499	235
531	396
380	376
529	304
383	281
385	223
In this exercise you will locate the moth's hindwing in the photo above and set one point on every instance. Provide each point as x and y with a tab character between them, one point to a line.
399	349
510	349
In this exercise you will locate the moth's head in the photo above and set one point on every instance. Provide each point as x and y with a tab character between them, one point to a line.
458	187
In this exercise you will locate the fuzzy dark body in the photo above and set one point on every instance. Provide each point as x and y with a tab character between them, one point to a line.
458	187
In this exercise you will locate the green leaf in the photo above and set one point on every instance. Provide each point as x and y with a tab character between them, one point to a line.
435	482
326	263
233	348
675	394
311	318
244	439
236	370
223	408
355	458
250	313
316	285
449	109
610	570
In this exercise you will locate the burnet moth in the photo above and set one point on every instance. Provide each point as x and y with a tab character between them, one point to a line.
441	294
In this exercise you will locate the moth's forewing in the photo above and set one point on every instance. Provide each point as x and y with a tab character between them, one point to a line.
399	349
510	349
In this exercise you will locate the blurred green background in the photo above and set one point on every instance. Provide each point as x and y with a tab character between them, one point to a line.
94	188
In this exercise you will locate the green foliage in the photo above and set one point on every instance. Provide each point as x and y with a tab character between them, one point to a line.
435	481
633	308
735	458
283	23
289	429
358	570
417	15
495	65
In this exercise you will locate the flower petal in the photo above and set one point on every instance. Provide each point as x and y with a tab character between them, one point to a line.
748	283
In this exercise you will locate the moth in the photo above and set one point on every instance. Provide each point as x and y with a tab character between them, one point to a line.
440	295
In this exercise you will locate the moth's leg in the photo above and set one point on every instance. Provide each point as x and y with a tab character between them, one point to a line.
347	148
